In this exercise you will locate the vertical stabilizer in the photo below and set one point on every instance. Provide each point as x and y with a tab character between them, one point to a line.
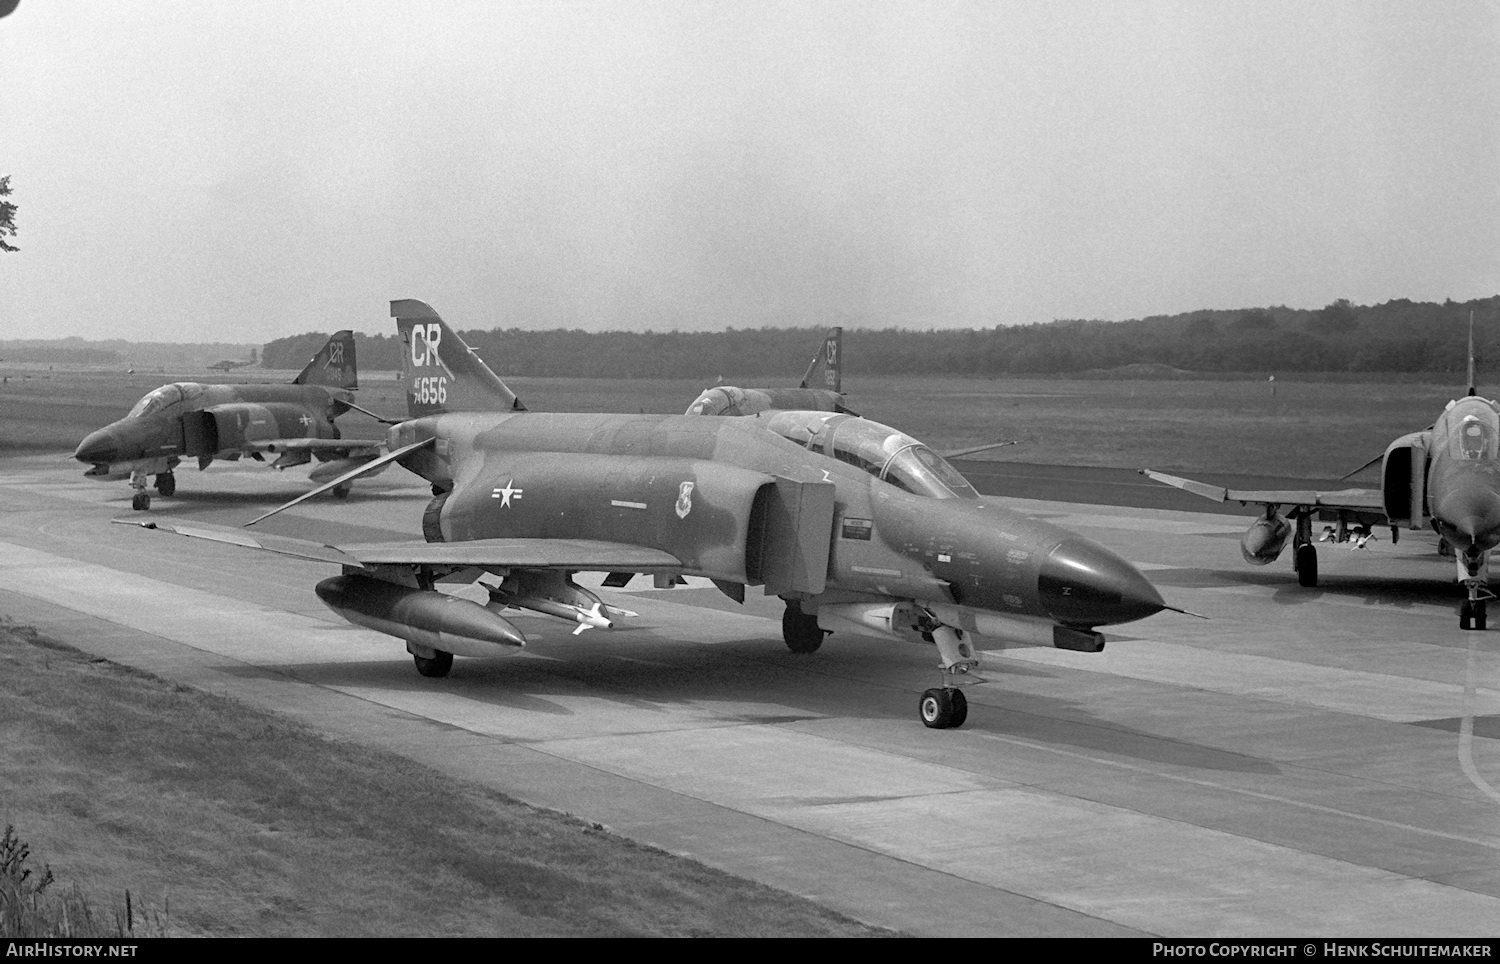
441	373
825	370
333	365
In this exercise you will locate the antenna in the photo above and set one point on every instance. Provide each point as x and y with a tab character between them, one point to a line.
1471	353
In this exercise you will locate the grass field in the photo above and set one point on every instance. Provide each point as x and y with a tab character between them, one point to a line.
225	821
1307	429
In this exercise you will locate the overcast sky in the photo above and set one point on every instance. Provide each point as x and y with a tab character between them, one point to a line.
202	171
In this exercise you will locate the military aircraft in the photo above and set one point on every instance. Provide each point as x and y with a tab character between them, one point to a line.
857	527
826	368
207	422
1446	477
229	364
821	389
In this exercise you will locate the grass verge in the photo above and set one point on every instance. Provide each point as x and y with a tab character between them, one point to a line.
244	823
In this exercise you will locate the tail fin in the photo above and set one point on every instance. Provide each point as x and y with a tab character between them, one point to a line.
441	373
825	370
333	365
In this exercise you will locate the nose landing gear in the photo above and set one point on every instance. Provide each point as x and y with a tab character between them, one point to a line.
1473	572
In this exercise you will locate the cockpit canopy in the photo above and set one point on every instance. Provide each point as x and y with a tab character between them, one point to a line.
159	400
1474	432
880	450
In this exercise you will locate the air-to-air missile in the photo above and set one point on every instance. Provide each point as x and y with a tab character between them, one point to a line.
856	526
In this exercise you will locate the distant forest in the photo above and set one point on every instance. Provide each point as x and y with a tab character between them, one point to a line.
1397	336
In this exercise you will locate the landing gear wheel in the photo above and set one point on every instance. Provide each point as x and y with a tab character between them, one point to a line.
937	708
342	491
1480	614
960	709
1473	614
166	483
1307	566
141	501
1466	615
800	630
438	665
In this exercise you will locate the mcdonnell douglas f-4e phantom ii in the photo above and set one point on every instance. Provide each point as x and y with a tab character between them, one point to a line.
1447	477
207	422
821	389
857	527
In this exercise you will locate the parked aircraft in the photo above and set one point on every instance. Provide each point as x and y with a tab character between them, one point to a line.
229	364
1446	477
821	389
207	422
825	369
857	527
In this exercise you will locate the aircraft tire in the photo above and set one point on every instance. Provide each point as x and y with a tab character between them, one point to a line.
342	491
936	709
1307	566
166	483
960	709
141	501
800	630
436	667
1481	615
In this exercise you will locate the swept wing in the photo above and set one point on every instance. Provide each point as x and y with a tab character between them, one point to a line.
1360	499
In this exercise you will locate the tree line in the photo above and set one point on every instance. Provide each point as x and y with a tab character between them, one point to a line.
1397	336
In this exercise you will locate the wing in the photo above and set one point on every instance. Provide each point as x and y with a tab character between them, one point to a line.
586	555
1362	499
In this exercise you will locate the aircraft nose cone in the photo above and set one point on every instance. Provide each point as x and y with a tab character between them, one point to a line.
1473	511
98	447
1084	584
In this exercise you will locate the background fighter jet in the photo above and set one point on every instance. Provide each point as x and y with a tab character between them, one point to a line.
821	389
229	364
859	528
207	422
826	369
1447	477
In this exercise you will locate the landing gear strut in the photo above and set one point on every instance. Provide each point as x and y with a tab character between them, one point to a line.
1473	572
1304	553
947	707
141	501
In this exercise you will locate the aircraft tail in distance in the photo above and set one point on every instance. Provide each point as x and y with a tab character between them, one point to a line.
333	366
826	368
441	373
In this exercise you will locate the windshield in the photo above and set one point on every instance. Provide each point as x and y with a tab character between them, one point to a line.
880	450
156	401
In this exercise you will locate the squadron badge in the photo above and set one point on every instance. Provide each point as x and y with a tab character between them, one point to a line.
684	500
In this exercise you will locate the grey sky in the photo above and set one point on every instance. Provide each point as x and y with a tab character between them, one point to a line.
213	171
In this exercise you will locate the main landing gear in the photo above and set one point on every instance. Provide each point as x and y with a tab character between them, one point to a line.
141	500
944	708
434	663
166	483
800	630
1304	553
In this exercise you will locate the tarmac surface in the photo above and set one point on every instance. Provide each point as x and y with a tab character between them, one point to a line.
1308	762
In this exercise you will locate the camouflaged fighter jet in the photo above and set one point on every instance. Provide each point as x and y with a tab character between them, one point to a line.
859	528
187	420
821	389
1447	477
825	369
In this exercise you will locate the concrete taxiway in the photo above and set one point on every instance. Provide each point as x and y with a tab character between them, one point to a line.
1308	762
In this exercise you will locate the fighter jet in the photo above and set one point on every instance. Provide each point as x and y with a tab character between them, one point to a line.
1447	477
825	369
821	389
857	527
229	364
207	422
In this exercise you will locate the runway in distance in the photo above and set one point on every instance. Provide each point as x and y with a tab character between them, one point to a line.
1446	477
857	527
185	420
